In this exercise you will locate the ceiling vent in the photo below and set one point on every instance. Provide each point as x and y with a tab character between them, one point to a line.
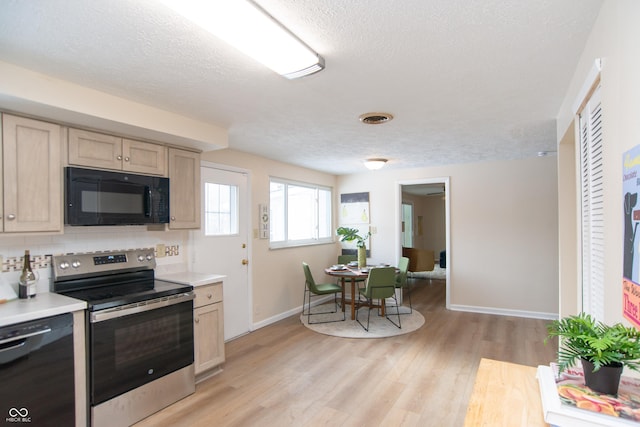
375	118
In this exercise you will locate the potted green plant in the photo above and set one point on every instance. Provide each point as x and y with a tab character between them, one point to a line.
350	234
603	349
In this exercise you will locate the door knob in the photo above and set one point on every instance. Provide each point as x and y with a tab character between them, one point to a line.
245	261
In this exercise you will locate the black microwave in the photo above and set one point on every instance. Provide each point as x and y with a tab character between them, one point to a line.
97	197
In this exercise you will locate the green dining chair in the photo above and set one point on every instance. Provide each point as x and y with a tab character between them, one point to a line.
380	285
313	289
401	280
346	259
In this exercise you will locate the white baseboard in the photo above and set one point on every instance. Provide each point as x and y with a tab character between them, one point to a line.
454	307
504	312
293	311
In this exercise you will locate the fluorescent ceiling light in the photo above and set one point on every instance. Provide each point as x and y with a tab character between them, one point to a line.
374	164
247	27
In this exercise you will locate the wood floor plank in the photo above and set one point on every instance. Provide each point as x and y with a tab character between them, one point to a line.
287	375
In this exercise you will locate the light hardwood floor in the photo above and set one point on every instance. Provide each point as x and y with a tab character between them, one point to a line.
287	375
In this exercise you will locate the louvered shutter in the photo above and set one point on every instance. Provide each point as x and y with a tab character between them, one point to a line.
592	205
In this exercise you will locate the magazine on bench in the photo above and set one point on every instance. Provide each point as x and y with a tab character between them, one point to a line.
566	401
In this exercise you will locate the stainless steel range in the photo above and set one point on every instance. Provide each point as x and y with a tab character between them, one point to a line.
139	333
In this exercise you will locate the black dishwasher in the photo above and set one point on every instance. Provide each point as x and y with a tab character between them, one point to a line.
36	373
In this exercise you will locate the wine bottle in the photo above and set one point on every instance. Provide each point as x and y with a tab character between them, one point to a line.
27	285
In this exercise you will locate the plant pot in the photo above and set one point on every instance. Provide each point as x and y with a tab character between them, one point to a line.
362	257
605	380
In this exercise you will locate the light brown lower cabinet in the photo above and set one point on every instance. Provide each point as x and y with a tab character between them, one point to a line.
208	330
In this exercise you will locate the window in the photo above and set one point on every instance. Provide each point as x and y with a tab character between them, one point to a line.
300	214
220	209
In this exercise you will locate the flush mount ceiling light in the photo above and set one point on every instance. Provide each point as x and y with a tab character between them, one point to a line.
374	164
375	118
250	29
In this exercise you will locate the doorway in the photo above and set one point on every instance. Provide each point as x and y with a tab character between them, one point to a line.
421	190
221	246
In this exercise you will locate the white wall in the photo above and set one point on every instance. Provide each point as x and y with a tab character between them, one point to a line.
504	247
614	38
27	92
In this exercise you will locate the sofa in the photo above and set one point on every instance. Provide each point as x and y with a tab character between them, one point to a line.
419	259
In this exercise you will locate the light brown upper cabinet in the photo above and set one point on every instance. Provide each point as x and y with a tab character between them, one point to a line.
96	150
31	176
184	182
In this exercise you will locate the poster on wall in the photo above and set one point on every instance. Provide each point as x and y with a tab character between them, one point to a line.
631	257
354	208
354	213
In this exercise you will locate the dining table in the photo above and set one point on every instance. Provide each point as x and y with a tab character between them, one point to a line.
353	274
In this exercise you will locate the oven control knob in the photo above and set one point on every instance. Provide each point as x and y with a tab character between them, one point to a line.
149	257
140	258
64	265
75	263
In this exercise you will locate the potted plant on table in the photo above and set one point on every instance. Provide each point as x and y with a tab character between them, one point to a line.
603	350
350	234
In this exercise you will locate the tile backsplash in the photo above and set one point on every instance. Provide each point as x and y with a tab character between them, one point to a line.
16	263
88	239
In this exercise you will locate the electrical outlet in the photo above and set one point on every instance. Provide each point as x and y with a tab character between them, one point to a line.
160	250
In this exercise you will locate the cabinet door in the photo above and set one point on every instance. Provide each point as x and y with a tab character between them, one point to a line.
184	182
144	157
208	337
94	149
32	175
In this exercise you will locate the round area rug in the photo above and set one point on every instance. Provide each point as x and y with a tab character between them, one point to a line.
379	327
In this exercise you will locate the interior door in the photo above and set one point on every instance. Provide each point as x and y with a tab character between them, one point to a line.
221	244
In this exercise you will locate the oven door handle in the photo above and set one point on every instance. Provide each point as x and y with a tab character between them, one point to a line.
140	307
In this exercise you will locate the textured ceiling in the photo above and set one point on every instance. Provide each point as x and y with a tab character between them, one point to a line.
467	80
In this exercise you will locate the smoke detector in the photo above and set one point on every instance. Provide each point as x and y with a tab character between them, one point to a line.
375	118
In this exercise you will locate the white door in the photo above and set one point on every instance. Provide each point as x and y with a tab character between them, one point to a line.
221	244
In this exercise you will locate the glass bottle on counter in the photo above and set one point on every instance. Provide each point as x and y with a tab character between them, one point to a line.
27	285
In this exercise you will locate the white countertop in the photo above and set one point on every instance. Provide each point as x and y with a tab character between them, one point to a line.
191	278
43	305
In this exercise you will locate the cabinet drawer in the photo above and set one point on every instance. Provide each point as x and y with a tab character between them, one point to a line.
207	294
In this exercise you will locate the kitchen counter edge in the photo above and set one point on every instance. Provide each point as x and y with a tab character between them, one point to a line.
191	278
43	305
